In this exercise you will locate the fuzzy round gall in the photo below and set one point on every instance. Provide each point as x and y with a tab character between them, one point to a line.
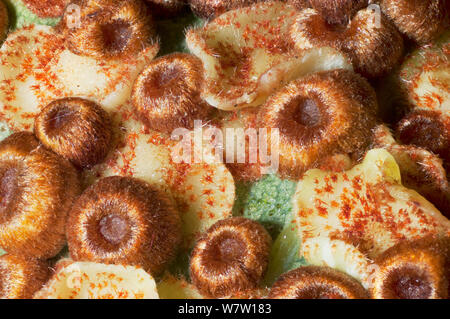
420	20
319	115
77	129
413	270
230	258
314	282
37	189
166	95
123	220
109	29
370	40
338	11
21	277
427	129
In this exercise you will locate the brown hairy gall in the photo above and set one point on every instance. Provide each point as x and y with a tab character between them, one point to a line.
314	282
166	95
338	11
369	39
427	129
123	220
21	277
322	114
413	270
420	20
109	29
230	258
77	129
37	189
